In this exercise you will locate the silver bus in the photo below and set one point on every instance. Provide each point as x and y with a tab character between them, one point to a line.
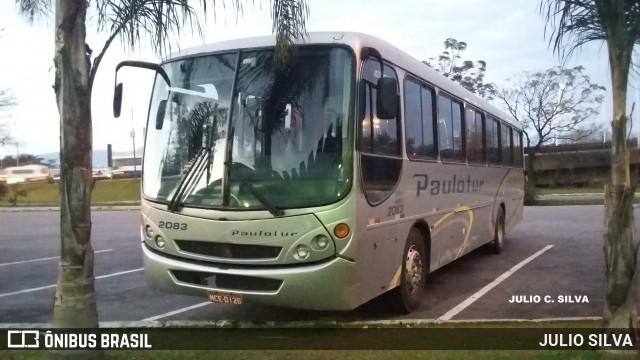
346	171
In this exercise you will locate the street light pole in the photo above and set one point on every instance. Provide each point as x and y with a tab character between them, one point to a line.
636	102
133	139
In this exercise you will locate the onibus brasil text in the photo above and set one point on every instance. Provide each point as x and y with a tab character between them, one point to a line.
49	340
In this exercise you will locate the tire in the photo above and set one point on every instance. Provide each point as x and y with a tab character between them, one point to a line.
408	295
497	244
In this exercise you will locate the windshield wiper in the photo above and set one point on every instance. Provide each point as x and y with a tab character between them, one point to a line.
191	172
257	194
204	155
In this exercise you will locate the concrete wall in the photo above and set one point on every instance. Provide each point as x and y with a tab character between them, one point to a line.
582	167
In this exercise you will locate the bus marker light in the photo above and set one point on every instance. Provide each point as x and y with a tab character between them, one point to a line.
148	231
160	241
341	230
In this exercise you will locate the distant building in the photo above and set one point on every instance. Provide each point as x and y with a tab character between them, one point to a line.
126	166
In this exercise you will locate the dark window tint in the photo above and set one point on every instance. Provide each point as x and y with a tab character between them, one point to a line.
450	129
517	148
418	105
379	176
475	136
493	141
507	153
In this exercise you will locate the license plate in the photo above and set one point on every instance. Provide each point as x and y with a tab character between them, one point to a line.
224	298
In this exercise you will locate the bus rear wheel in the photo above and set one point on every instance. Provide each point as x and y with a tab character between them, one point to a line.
407	297
497	243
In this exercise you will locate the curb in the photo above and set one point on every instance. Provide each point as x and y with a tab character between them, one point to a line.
296	324
592	195
57	208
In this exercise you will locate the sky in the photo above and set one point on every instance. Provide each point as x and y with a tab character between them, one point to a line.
507	34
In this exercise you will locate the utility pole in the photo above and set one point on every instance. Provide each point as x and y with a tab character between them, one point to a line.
604	128
133	139
637	102
17	154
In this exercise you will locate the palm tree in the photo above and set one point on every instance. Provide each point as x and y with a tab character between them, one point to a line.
74	303
571	24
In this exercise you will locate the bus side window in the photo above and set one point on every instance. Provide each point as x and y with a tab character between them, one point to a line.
475	136
418	114
450	129
492	140
517	148
381	161
378	136
506	145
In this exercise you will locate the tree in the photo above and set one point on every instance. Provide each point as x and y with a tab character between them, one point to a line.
586	135
616	22
467	73
6	102
23	159
74	302
550	105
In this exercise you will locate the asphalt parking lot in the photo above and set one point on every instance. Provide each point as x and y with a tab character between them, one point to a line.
552	265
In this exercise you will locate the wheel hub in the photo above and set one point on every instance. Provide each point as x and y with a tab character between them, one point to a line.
414	267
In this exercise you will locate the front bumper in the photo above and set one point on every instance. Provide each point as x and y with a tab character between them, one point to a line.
325	286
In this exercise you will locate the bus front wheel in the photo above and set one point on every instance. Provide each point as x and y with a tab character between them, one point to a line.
498	240
407	297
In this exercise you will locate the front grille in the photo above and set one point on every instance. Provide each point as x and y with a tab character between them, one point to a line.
226	281
229	251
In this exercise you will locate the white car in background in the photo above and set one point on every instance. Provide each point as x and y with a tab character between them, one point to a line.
27	173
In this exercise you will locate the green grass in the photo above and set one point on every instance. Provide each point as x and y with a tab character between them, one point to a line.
105	191
572	190
565	190
116	190
567	202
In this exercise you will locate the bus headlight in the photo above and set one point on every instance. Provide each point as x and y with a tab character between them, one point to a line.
160	243
320	242
149	232
302	252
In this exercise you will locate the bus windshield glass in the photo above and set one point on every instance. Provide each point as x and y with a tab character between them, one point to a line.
239	131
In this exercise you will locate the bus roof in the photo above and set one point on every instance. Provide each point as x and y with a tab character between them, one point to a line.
357	41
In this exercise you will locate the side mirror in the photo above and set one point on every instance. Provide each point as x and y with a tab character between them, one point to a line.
117	100
162	110
387	99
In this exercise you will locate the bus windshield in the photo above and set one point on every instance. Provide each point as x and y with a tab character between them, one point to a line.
239	131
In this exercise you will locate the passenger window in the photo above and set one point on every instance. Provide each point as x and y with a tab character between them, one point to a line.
493	142
418	108
450	135
507	153
517	148
475	136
